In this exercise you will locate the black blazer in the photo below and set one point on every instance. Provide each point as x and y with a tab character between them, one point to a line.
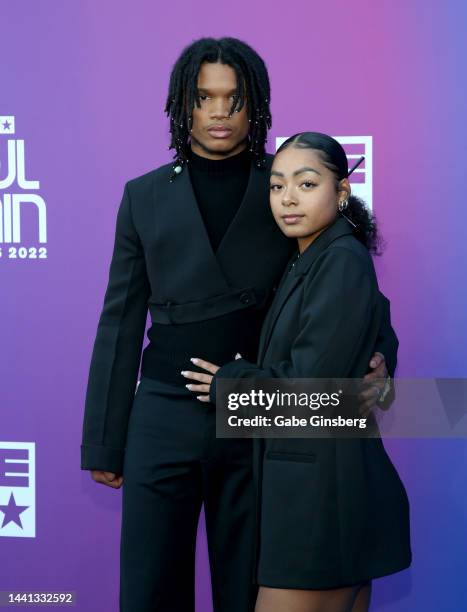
163	262
331	511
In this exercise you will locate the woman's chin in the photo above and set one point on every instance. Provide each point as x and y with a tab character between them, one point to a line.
292	231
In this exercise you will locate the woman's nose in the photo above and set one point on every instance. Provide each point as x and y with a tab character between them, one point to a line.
288	200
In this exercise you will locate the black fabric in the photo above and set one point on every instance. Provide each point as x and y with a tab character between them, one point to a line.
324	323
162	258
174	463
219	187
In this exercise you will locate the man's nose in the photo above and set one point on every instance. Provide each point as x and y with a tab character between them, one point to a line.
220	109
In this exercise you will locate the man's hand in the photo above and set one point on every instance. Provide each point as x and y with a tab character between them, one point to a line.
107	478
374	384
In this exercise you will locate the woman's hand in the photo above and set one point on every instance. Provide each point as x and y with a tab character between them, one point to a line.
205	379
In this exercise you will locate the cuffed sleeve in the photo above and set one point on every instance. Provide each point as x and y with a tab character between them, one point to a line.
117	349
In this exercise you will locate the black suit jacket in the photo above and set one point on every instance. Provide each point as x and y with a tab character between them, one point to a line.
163	262
326	317
331	512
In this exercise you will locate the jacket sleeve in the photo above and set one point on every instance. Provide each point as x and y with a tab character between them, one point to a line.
117	350
337	310
387	342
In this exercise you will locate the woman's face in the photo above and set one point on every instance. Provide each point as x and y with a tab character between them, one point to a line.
303	195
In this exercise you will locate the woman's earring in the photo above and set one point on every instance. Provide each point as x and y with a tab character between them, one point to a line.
343	205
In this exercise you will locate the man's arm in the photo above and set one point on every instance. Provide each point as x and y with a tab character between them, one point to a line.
386	345
387	342
117	350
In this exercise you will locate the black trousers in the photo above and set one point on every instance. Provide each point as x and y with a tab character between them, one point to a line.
173	464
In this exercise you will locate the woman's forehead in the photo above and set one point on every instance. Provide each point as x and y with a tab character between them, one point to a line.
293	158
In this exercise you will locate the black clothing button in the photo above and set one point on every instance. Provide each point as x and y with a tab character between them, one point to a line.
245	298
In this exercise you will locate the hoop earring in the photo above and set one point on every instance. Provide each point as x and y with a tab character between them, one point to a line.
343	205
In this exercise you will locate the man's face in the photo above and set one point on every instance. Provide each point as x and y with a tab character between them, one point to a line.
214	133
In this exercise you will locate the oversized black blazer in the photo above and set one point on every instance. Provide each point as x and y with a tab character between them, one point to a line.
162	261
330	512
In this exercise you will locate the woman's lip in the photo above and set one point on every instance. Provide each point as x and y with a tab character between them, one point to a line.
291	218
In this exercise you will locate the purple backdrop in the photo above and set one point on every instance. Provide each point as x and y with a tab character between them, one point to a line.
85	83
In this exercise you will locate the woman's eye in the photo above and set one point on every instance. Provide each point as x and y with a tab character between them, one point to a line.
308	184
273	187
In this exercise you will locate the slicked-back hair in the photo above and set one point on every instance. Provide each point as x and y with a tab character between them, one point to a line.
334	158
253	89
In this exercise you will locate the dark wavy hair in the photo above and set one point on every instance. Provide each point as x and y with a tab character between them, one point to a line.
334	158
252	86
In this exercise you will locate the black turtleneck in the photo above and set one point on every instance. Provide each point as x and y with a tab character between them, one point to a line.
219	187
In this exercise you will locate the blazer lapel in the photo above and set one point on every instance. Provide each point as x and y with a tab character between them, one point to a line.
248	206
182	237
288	284
252	227
295	274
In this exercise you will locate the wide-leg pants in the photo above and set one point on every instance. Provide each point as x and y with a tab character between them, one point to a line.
173	464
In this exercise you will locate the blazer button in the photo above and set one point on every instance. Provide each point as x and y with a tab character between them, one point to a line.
245	298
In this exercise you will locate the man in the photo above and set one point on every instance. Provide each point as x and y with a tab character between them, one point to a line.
195	243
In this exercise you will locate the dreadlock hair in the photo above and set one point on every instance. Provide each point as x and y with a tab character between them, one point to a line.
252	87
334	158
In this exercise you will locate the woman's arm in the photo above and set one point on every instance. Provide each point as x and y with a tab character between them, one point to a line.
339	298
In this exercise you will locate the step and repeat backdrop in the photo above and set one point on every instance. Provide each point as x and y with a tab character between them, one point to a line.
82	92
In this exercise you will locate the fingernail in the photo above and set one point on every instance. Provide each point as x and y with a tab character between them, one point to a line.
188	386
194	359
183	372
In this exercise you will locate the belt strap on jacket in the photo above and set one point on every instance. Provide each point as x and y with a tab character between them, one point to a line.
208	308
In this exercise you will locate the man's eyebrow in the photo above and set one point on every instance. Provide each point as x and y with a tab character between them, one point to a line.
206	90
299	171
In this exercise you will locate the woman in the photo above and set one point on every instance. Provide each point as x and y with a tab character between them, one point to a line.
333	512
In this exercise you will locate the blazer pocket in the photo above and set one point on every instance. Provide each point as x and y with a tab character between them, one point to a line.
300	457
